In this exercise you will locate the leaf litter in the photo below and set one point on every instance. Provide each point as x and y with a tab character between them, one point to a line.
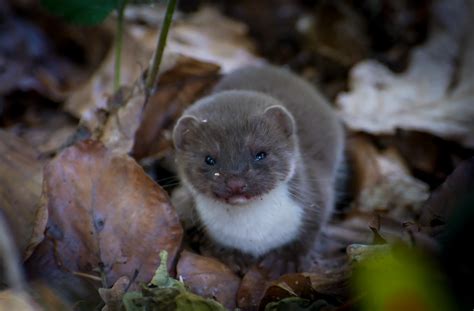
108	221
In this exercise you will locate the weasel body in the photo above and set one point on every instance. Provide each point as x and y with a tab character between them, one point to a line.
259	157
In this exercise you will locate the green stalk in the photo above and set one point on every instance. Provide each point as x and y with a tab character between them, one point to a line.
160	47
118	45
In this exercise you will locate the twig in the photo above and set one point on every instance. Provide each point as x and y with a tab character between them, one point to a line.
118	45
160	47
11	260
88	276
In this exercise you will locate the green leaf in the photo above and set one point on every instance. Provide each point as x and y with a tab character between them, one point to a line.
166	293
84	12
187	301
402	281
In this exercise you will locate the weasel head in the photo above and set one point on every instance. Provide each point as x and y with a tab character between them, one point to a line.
235	146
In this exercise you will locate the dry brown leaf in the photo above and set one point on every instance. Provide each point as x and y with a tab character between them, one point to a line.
209	278
105	215
383	182
45	54
47	298
289	285
125	120
94	94
194	36
226	45
117	132
434	95
337	32
45	130
177	88
20	190
252	289
257	289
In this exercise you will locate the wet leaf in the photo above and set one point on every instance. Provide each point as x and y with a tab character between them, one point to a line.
107	220
20	190
208	277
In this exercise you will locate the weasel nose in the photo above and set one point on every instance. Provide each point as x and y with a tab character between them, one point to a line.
236	185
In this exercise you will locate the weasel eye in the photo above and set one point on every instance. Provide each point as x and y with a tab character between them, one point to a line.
210	160
260	156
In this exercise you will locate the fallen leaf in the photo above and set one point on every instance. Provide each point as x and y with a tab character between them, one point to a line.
94	95
298	304
44	54
252	288
448	217
194	36
433	95
166	293
20	190
44	129
113	296
428	157
338	33
13	300
289	285
117	130
227	45
177	88
106	219
47	298
383	182
209	278
445	201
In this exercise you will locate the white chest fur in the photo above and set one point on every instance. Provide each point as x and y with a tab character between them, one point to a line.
255	228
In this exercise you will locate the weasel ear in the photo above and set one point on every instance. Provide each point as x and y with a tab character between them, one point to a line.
282	117
182	130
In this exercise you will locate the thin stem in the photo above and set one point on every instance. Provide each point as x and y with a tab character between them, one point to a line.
160	47
118	45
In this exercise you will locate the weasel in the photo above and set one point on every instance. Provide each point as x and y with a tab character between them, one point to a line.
259	157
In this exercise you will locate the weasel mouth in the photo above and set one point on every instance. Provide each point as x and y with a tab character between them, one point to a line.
238	199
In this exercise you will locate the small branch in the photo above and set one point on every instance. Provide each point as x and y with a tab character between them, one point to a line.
160	47
88	276
118	45
11	260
